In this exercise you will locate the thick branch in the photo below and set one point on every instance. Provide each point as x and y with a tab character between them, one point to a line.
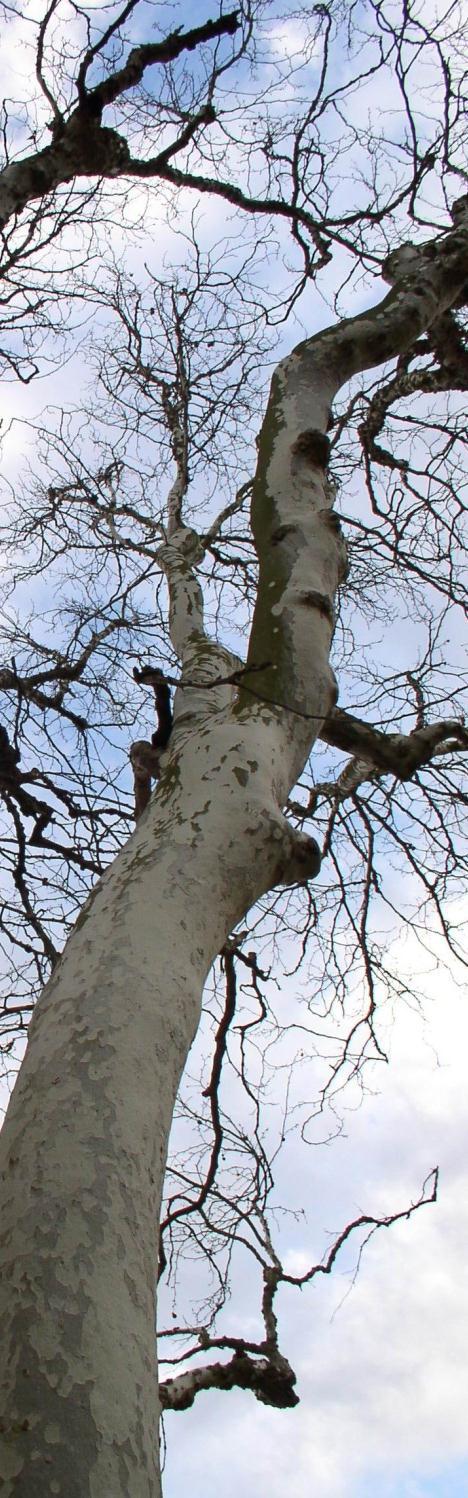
81	146
426	280
297	538
179	558
147	55
397	753
445	340
207	667
271	1382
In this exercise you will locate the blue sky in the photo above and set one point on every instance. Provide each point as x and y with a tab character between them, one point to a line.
450	1481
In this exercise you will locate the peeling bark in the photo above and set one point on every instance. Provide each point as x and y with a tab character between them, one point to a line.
271	1383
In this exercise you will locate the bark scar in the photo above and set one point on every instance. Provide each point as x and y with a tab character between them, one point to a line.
314	446
320	601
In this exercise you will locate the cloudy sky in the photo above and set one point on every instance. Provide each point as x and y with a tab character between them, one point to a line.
382	1361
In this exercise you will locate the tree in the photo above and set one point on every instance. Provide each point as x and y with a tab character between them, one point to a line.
85	1140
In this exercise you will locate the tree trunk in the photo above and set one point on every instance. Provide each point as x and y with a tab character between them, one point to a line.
84	1146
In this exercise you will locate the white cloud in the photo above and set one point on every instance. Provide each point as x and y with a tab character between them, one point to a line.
288	39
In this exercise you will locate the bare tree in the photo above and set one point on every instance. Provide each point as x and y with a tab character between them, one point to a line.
163	547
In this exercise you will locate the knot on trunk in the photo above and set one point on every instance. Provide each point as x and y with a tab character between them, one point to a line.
92	146
300	859
314	446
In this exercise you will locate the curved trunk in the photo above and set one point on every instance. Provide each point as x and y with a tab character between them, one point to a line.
83	1149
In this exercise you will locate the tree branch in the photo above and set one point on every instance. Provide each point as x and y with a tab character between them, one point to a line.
147	55
271	1382
396	753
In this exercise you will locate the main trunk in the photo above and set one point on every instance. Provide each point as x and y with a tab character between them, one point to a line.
83	1149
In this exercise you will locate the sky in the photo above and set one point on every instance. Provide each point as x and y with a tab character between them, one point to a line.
380	1359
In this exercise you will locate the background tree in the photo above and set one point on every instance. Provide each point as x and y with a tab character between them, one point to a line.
164	545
